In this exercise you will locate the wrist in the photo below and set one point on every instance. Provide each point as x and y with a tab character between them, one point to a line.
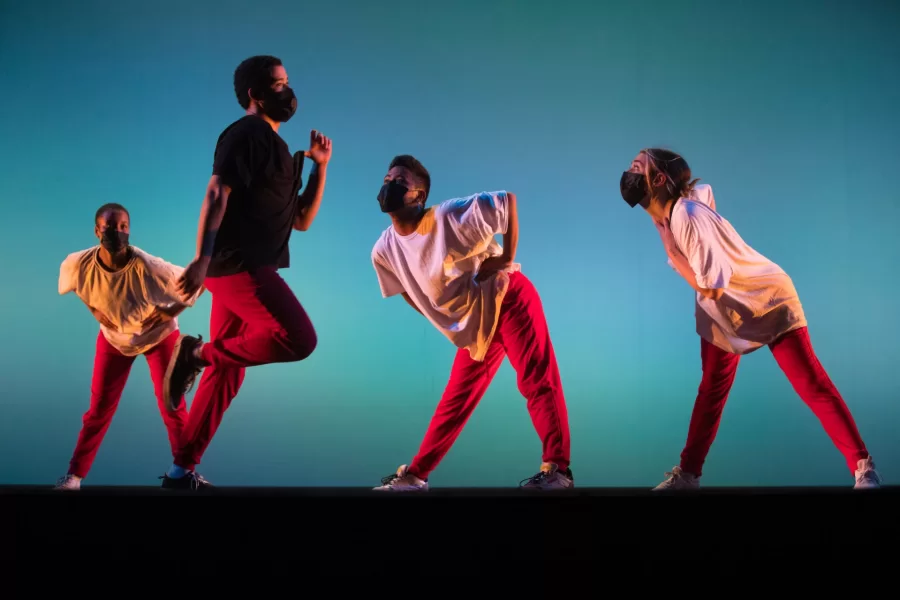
202	260
319	167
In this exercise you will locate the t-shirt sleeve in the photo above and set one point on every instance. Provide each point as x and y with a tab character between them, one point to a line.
69	273
479	216
700	240
236	158
704	193
387	280
161	278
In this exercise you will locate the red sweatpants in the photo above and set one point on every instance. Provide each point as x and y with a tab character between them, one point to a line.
111	370
796	357
522	335
255	320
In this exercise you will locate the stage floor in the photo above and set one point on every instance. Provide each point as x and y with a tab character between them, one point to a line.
617	530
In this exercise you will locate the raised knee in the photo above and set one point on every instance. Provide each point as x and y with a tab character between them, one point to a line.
300	344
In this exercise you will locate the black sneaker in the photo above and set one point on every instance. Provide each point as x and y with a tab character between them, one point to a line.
550	478
181	372
189	481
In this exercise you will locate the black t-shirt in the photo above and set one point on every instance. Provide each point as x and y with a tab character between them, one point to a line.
257	165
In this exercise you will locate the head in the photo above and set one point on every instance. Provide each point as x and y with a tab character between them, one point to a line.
406	187
261	86
656	176
112	226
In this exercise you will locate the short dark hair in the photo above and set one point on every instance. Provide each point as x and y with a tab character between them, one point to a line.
416	168
254	73
674	167
108	207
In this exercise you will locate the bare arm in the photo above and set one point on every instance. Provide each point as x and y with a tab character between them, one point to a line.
211	213
411	303
511	237
311	198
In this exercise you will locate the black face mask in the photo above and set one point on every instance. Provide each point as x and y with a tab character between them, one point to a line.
113	240
633	187
391	197
279	106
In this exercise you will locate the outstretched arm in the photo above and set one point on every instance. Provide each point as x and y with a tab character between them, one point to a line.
311	198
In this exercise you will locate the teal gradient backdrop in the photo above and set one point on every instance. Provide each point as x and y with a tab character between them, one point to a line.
788	109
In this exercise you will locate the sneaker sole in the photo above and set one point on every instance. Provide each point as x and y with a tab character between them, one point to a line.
167	378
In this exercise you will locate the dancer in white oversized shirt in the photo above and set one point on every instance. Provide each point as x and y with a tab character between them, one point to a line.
744	301
132	295
447	265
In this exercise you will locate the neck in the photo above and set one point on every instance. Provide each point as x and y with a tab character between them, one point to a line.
659	209
114	260
254	110
407	223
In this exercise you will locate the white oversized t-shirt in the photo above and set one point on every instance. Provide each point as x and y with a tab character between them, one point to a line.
126	297
436	266
759	303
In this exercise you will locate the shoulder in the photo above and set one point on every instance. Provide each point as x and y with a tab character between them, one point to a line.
79	258
463	203
152	263
379	249
247	127
703	193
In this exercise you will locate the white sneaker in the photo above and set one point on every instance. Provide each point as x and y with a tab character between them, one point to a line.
549	478
867	478
402	481
69	482
678	480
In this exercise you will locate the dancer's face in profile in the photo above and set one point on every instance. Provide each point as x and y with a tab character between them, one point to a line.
641	165
112	229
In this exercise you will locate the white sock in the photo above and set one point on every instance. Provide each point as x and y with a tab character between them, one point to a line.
176	472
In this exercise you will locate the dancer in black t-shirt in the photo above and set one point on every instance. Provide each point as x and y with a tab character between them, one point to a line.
250	209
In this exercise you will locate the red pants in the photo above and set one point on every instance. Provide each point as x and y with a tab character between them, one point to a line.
522	334
255	320
111	370
796	357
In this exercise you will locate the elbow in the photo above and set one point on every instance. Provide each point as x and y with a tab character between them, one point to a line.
301	225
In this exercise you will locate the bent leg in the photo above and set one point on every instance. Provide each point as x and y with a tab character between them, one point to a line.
111	369
277	326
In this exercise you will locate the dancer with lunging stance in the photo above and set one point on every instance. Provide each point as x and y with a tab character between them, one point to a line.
132	295
447	265
744	301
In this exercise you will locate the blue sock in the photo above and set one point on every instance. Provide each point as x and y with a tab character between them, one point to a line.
176	472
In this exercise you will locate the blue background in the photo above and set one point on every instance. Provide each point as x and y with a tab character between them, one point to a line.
788	109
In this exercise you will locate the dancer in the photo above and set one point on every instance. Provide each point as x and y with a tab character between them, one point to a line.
132	295
744	301
447	265
249	211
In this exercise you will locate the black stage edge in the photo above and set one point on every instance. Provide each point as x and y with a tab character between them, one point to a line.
815	530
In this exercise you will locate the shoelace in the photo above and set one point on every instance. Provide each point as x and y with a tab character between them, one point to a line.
672	477
541	476
389	479
869	475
